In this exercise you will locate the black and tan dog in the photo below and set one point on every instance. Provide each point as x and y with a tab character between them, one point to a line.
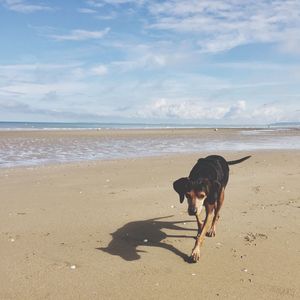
205	187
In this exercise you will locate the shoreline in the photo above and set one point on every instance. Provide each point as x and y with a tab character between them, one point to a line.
31	148
21	125
231	155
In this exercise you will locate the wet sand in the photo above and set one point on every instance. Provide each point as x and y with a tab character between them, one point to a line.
116	230
41	147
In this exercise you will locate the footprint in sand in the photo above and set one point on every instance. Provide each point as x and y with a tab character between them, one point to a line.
251	237
256	189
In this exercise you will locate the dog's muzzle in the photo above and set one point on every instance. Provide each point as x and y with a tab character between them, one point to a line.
192	211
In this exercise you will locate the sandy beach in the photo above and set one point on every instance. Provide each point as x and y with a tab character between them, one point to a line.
105	108
115	230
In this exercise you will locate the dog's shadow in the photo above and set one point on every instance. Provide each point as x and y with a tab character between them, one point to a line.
149	232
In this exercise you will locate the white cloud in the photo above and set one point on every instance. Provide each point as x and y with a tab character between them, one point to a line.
18	108
101	3
87	10
148	61
276	112
291	42
14	74
84	72
33	82
112	15
218	112
33	67
253	65
269	112
150	56
236	110
99	70
190	110
224	24
24	6
95	3
36	90
80	35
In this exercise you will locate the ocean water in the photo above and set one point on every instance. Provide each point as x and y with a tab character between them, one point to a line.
33	150
91	126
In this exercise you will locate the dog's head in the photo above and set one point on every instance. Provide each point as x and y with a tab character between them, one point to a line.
196	191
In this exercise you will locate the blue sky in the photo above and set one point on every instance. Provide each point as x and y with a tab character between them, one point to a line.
215	62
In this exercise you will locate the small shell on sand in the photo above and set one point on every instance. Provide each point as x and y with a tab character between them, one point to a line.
73	267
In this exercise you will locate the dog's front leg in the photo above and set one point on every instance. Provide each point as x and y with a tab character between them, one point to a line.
199	223
200	237
212	231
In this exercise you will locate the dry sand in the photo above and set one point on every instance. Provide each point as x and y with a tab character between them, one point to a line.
116	230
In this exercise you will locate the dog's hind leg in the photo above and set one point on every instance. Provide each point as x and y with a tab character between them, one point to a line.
212	231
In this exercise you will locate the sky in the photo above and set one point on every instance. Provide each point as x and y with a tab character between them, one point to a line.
177	61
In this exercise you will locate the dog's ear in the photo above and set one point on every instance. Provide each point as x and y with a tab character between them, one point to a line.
216	190
181	186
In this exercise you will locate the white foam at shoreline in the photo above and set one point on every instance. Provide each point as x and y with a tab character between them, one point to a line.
22	151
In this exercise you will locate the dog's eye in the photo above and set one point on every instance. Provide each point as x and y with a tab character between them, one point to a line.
188	196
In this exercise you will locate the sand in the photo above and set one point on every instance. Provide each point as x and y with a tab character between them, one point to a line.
116	230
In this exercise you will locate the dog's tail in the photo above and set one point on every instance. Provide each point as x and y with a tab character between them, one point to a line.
234	162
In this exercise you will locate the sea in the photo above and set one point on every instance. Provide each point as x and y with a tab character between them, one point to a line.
96	125
23	150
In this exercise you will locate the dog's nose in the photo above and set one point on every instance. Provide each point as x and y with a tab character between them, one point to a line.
192	211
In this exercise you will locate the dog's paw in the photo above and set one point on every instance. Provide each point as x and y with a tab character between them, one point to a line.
195	256
211	232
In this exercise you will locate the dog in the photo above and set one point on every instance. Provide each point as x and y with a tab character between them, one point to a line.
205	186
